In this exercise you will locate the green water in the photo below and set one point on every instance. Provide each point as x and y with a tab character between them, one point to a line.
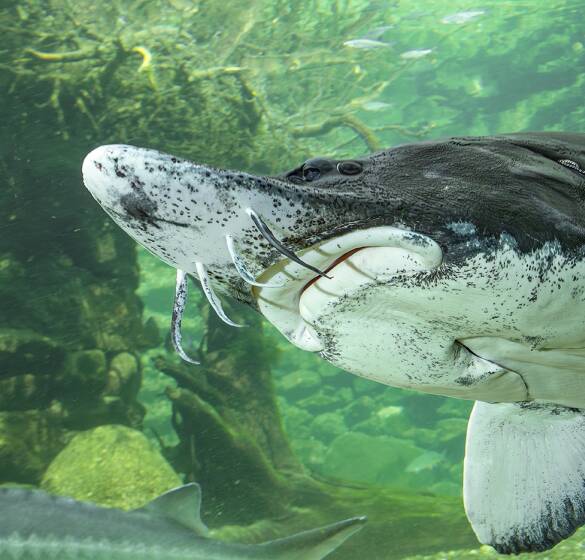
279	439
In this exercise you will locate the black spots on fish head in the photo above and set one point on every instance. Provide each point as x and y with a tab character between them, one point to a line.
139	208
121	170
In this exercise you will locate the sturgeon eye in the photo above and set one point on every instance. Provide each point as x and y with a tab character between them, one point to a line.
349	167
311	173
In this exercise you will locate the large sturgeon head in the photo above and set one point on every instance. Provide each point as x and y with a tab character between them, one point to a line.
417	266
454	267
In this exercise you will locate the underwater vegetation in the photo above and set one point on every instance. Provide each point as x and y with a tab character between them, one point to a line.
260	87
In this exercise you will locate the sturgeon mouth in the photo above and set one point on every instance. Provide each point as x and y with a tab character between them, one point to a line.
337	261
352	261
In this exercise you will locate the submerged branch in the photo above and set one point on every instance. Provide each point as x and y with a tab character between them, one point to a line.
71	56
367	135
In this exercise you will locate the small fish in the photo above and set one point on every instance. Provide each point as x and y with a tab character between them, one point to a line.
376	105
377	32
415	54
365	44
426	461
462	17
418	14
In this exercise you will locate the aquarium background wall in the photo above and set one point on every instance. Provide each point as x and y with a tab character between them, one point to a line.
94	403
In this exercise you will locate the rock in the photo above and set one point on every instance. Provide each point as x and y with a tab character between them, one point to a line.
363	386
345	395
451	428
328	399
24	392
359	410
105	410
332	374
391	396
446	488
311	451
300	383
391	411
328	426
110	465
23	351
29	441
423	437
297	422
377	425
455	408
85	376
376	460
124	369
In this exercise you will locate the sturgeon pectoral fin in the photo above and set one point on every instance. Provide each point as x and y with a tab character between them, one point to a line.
181	291
524	481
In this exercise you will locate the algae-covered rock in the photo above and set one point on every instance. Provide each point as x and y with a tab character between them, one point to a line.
300	383
359	410
311	452
387	421
86	374
363	386
329	399
110	465
328	426
297	422
28	442
451	428
377	460
446	488
22	350
124	376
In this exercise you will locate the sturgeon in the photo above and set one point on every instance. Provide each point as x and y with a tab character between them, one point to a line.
454	267
37	526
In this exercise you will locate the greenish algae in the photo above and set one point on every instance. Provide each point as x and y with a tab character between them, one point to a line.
110	465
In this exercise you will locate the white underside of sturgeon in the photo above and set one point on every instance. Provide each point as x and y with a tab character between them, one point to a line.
385	317
393	249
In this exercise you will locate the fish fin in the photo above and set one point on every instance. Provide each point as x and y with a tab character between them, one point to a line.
183	505
524	474
316	543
